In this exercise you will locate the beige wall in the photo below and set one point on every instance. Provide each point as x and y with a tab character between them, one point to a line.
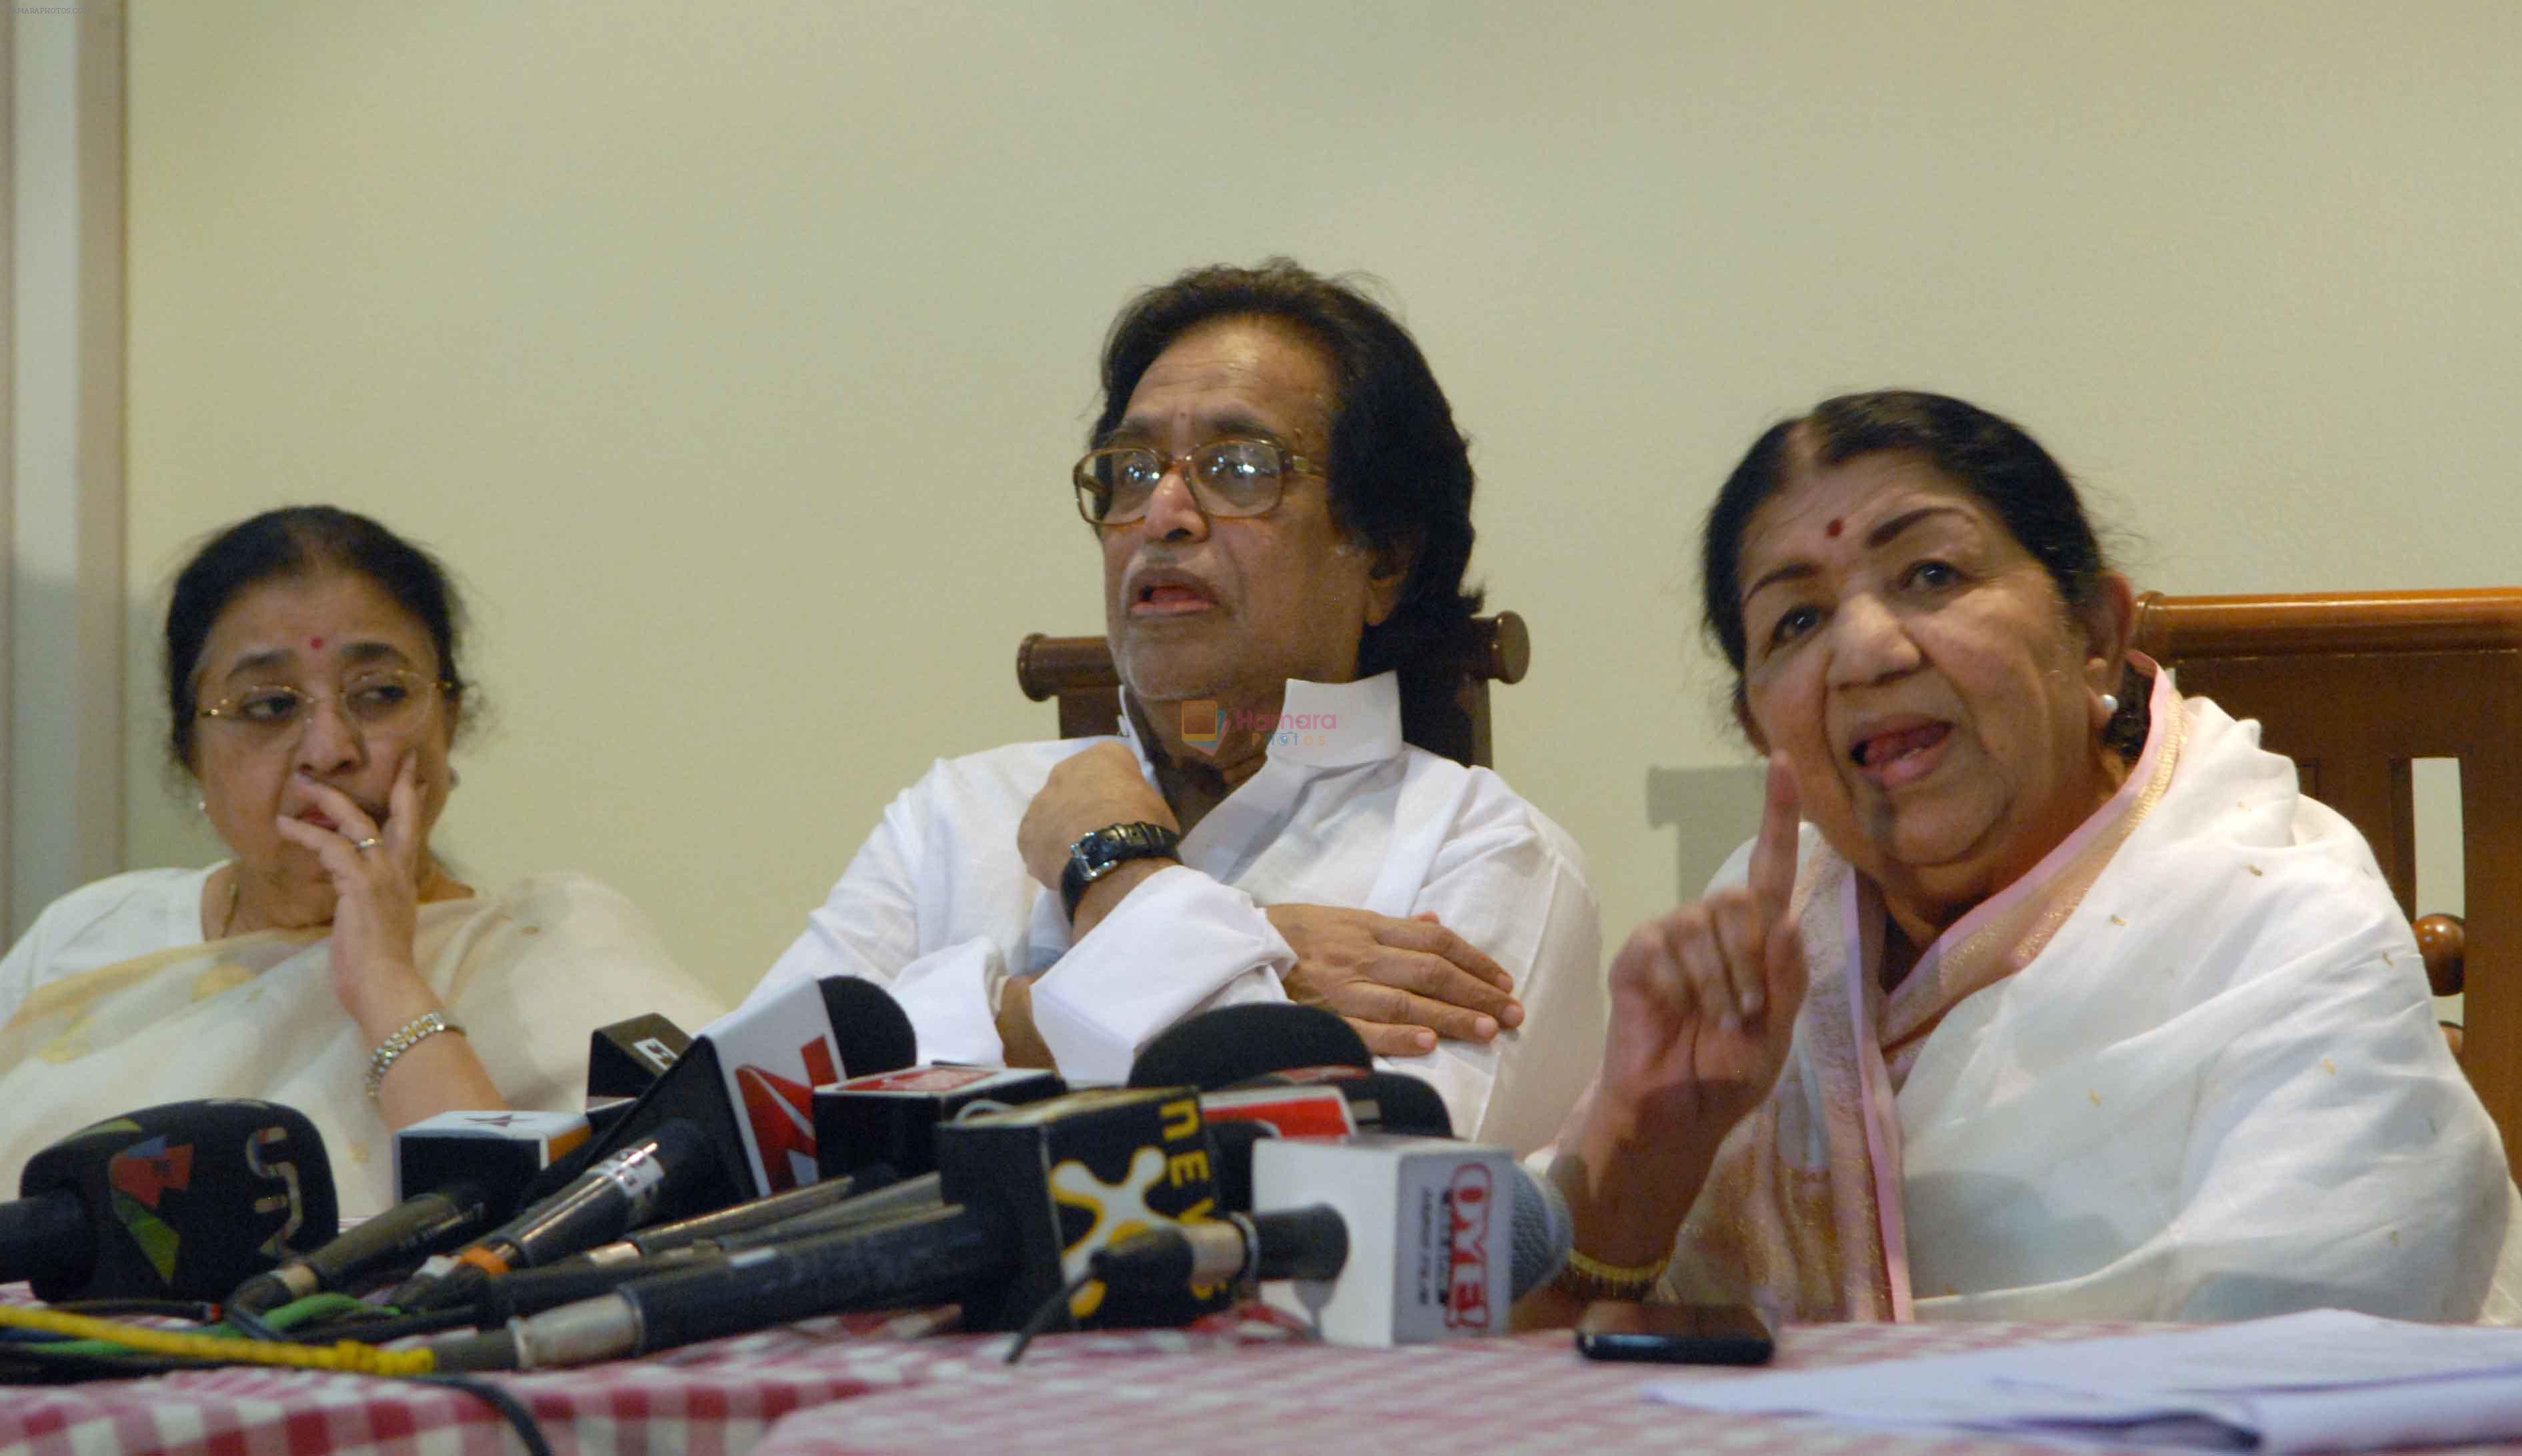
734	354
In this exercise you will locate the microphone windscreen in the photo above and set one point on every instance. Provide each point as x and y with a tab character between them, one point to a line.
1544	1233
188	1200
1216	1049
870	1027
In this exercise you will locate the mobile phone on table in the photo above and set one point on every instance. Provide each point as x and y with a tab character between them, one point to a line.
1680	1333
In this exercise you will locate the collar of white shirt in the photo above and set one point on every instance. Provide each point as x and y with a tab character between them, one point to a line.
1321	725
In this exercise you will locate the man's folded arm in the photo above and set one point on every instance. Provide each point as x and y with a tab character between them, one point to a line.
1178	942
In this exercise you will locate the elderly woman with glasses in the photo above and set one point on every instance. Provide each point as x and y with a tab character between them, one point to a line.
333	963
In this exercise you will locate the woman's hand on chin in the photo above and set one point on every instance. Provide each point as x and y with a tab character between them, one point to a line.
1704	1005
376	908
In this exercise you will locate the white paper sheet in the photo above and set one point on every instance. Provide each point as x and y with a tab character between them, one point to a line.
2323	1380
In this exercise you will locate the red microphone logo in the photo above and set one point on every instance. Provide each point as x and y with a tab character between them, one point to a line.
1471	1203
783	1114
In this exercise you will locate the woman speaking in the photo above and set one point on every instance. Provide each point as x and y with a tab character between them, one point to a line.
2068	1004
333	963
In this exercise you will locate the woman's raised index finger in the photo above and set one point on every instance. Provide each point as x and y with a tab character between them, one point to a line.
1773	853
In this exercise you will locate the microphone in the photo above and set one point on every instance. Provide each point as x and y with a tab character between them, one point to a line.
624	1057
747	1082
614	1195
901	1117
1377	1101
691	1245
1033	1194
1444	1237
1217	1049
890	1118
471	1170
182	1201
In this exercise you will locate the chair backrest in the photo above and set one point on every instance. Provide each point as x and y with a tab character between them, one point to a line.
1079	672
2353	687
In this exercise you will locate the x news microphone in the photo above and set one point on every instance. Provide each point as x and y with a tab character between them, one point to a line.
1032	1193
182	1201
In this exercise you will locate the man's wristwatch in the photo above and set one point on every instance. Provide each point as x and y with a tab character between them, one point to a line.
1098	854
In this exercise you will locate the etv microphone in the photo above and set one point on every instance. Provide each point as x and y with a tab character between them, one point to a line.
183	1200
1444	1237
1034	1194
1219	1048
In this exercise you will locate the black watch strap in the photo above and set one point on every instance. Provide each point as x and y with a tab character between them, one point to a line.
1098	854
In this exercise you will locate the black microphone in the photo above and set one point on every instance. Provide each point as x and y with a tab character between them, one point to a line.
459	1173
1034	1194
673	1249
1216	1049
747	1082
1377	1101
609	1198
624	1057
183	1200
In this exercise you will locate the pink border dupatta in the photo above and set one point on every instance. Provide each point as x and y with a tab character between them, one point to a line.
1802	1214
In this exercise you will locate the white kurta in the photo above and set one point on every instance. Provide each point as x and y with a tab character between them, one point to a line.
939	908
111	1002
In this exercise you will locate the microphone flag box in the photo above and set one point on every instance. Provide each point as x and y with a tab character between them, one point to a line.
626	1058
772	1055
1431	1234
502	1152
1286	1111
892	1117
1071	1176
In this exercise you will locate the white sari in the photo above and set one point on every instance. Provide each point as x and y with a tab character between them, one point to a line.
2186	1069
528	974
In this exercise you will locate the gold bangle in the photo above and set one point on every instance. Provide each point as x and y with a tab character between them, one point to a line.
1587	1278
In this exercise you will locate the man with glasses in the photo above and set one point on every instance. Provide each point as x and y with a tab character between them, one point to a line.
1282	506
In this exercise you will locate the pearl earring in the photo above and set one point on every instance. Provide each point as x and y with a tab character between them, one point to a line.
201	807
2110	703
454	777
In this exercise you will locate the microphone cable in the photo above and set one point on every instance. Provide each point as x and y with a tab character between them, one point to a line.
75	1351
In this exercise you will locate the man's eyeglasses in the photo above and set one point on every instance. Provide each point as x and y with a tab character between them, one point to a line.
387	702
1227	477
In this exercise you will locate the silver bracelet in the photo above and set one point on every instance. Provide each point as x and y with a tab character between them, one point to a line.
411	1034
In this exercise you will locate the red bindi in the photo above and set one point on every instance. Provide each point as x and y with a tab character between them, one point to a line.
1832	531
316	644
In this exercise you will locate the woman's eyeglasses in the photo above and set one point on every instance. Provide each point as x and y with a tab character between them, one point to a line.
387	702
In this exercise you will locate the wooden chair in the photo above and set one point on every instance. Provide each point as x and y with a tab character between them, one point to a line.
1079	672
2353	687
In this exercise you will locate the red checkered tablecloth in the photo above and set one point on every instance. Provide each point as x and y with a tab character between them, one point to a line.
866	1385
